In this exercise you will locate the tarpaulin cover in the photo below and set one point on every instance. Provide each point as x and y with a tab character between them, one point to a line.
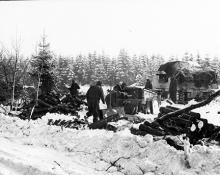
189	72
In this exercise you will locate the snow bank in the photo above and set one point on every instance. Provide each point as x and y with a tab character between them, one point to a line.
36	148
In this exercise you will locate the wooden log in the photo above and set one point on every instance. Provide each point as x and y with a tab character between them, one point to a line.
189	117
40	110
138	132
172	143
98	125
172	107
43	103
101	124
195	114
49	99
189	108
180	122
152	131
165	110
153	124
111	127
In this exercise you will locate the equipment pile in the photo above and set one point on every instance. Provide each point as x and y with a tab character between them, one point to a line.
52	103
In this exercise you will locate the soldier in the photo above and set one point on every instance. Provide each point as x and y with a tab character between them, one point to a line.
123	86
74	89
148	85
93	96
118	87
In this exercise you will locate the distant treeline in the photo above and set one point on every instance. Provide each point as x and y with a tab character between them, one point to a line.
52	70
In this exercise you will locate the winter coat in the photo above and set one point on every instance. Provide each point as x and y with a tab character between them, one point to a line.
95	93
148	85
74	89
118	88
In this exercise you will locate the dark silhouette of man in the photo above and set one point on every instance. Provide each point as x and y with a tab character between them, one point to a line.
74	89
118	87
93	96
148	85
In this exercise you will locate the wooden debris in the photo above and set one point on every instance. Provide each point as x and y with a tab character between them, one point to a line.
102	124
175	121
52	103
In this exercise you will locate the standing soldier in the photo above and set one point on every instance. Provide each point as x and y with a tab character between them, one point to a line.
123	86
74	89
118	87
93	95
148	85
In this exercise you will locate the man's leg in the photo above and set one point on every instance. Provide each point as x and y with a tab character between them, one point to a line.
89	113
95	111
101	114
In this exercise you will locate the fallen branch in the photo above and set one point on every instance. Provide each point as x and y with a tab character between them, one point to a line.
189	108
113	163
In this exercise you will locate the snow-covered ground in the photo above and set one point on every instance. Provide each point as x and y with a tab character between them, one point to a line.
35	148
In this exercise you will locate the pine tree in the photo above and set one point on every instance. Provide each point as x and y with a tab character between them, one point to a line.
191	57
123	66
144	67
88	69
93	63
185	57
198	59
206	63
79	68
215	65
135	68
152	65
43	66
172	58
100	74
64	74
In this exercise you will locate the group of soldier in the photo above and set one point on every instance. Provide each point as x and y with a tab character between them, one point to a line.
95	94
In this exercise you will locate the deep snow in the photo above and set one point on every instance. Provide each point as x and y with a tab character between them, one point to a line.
35	148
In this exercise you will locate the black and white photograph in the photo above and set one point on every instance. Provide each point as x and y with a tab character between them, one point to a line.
110	87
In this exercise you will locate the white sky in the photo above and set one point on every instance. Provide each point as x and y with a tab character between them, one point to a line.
166	27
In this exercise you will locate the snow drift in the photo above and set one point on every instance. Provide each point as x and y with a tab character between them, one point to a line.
39	149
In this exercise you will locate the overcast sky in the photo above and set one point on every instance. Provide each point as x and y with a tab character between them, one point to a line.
167	27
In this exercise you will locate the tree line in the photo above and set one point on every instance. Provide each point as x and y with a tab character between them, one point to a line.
46	70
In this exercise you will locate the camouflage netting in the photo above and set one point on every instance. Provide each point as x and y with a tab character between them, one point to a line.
189	72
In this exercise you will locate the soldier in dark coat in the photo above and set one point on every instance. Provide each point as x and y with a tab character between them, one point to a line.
93	96
118	87
148	85
123	86
74	89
